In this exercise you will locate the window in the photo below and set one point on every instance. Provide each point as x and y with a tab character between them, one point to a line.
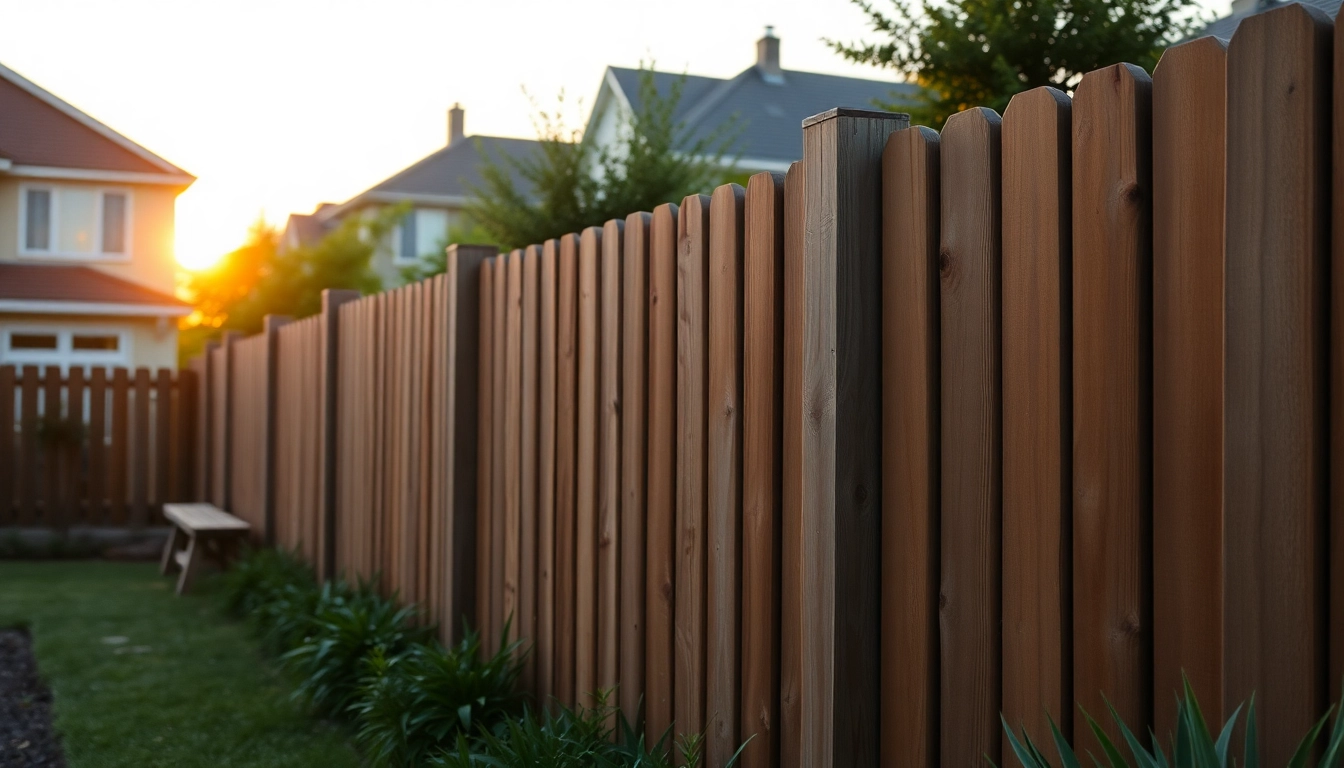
64	347
420	233
74	222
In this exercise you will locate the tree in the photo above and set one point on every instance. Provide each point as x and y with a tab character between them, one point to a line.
570	184
259	279
436	262
967	53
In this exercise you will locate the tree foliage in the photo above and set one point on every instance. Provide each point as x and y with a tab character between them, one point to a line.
569	183
967	53
259	278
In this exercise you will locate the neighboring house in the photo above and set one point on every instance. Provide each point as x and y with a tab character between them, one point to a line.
87	271
1241	9
768	103
437	188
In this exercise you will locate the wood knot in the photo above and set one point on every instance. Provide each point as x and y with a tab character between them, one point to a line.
1131	193
944	261
942	600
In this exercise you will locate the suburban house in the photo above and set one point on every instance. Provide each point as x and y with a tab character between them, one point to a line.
87	270
1225	26
768	103
436	188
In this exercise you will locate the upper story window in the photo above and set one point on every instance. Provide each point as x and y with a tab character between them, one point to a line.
420	233
74	222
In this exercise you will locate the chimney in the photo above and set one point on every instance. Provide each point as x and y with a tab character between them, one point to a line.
767	57
457	118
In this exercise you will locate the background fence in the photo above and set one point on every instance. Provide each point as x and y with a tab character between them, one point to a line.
849	461
103	447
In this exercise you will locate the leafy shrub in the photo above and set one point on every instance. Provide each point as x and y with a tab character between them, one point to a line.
582	738
276	591
1193	745
415	705
346	627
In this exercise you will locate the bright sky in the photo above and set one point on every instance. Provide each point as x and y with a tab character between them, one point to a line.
278	105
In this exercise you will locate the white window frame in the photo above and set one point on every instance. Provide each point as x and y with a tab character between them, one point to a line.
54	234
65	355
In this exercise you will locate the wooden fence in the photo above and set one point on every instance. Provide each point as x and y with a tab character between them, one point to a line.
103	447
933	427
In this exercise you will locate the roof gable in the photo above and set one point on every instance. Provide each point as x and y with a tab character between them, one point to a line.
39	129
769	114
42	282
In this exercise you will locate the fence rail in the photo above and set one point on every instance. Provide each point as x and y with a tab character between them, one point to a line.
932	427
103	447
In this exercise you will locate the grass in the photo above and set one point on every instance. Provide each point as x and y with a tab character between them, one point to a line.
143	678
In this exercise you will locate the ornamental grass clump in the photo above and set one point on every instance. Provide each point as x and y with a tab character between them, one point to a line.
1192	746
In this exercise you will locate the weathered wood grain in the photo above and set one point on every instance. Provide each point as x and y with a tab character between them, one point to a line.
1112	397
634	416
610	370
1275	483
910	450
971	436
586	457
546	451
791	485
566	467
1189	144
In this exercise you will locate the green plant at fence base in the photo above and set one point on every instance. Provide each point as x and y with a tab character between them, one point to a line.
347	626
1193	745
416	704
574	738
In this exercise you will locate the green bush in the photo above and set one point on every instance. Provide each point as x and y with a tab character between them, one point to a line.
415	705
276	591
582	738
1193	746
346	627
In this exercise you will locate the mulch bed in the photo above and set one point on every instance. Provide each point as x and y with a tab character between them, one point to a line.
26	736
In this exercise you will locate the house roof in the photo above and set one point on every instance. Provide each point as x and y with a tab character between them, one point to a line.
48	289
1225	26
446	176
769	113
40	132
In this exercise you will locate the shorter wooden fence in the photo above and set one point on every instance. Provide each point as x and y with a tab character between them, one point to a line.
104	447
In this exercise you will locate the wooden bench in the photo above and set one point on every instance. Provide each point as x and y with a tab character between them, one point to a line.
201	530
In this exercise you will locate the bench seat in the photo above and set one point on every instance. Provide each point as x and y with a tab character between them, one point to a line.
201	530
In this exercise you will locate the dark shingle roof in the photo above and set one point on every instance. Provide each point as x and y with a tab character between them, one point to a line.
455	169
769	115
33	282
1225	26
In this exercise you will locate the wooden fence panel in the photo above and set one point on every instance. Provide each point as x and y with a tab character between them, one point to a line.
163	436
72	479
1112	398
220	421
723	476
910	448
971	437
566	431
513	449
248	379
634	417
140	451
692	392
610	369
9	462
1037	288
1189	145
791	485
498	444
661	521
586	468
28	445
118	461
1276	473
546	456
98	478
51	514
530	565
761	403
485	498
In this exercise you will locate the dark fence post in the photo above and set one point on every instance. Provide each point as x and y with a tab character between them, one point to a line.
464	296
841	439
271	327
331	326
225	492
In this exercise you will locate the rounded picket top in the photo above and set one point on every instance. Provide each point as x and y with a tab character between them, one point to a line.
1109	83
1044	98
973	119
1192	55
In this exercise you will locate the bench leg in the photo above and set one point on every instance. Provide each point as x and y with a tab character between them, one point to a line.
168	564
189	571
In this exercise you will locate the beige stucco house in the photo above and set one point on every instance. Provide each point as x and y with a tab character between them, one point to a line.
87	270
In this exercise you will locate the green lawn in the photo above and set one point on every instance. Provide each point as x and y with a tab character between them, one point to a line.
143	678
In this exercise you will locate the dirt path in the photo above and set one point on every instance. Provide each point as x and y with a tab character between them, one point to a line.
26	736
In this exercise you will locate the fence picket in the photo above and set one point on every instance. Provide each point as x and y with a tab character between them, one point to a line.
485	452
546	455
586	468
1112	403
1189	151
610	369
910	449
634	416
660	520
971	436
140	451
52	434
791	485
528	588
513	449
566	426
1336	519
723	474
71	477
1276	482
118	455
8	460
1037	413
